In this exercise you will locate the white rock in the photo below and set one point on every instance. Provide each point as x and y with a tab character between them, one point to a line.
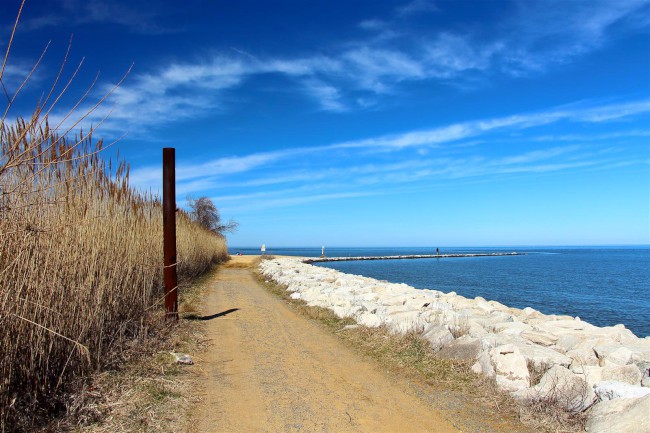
475	330
438	336
625	373
368	319
508	338
582	357
613	353
484	363
510	367
629	374
541	338
567	341
591	374
620	416
528	311
562	387
610	390
343	312
513	328
477	368
402	322
487	321
465	348
543	356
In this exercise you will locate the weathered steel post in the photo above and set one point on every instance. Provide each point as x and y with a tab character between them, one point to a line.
169	232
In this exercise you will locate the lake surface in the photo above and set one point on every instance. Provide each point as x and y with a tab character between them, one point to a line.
603	286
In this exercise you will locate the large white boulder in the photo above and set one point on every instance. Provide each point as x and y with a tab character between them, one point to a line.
567	342
510	367
512	327
610	390
593	374
541	356
620	416
560	387
541	338
438	336
403	322
464	348
613	354
582	357
483	365
368	319
622	373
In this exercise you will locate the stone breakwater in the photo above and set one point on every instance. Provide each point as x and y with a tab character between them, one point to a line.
418	256
531	355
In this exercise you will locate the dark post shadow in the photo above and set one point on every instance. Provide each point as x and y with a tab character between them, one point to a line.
211	316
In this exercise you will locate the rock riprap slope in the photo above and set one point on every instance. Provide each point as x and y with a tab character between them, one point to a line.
581	365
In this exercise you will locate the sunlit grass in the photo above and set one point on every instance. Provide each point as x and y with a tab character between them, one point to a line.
80	256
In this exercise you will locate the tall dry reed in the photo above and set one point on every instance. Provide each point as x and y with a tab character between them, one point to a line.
80	262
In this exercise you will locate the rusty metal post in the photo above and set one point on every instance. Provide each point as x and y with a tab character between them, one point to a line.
169	232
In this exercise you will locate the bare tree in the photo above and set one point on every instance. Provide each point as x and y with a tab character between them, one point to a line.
204	212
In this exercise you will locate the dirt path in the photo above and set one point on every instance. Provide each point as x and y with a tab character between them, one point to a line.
270	370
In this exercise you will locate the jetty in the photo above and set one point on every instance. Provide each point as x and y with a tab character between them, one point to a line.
414	256
581	368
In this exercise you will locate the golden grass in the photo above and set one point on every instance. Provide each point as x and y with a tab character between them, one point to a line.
80	264
80	257
148	392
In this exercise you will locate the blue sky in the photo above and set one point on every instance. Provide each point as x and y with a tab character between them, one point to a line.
368	123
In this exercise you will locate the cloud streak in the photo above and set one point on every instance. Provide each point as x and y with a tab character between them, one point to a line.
362	73
82	12
289	176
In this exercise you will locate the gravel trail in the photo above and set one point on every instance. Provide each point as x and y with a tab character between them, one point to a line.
271	370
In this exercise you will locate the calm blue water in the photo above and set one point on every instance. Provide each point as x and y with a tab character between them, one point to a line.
603	286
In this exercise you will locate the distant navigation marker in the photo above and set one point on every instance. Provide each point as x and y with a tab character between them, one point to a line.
263	248
322	254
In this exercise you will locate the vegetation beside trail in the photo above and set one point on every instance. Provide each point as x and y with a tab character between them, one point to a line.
149	391
411	357
81	265
80	258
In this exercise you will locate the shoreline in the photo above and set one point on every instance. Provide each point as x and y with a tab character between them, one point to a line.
530	355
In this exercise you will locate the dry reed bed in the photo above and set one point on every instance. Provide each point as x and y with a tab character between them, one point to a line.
80	265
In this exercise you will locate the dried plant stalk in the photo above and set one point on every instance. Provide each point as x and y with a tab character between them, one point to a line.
80	259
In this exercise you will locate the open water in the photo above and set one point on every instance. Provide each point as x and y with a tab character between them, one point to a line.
603	286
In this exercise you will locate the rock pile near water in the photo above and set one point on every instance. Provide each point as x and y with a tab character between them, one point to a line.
531	355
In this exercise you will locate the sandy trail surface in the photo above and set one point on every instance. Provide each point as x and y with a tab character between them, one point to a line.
270	370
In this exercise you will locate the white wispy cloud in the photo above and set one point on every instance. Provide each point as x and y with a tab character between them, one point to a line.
449	55
370	67
418	175
593	137
464	130
532	38
135	17
416	7
145	177
329	97
362	72
288	176
13	76
540	34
